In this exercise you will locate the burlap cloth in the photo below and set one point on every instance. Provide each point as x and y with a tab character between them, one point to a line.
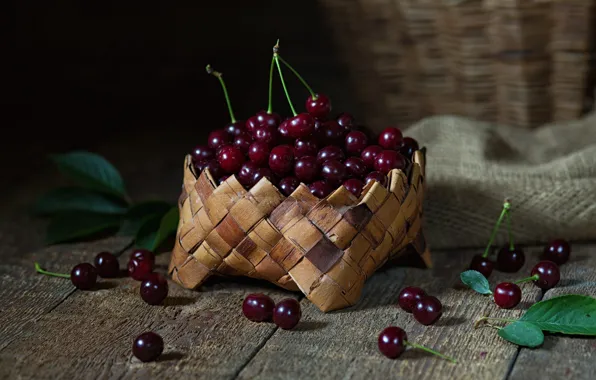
549	173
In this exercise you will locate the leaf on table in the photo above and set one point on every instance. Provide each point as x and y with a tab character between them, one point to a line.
476	281
523	334
140	213
167	227
568	314
71	226
147	233
91	170
78	199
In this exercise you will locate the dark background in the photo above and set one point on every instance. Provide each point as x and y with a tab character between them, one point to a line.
101	75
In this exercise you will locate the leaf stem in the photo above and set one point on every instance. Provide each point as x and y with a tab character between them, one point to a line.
270	103
38	269
281	77
528	279
485	318
511	245
430	351
506	207
312	93
218	75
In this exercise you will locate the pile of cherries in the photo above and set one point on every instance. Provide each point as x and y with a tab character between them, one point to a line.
259	307
310	147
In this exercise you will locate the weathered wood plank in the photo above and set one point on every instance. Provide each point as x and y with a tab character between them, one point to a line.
344	344
563	356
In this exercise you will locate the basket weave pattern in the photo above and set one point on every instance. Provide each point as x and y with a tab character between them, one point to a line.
324	248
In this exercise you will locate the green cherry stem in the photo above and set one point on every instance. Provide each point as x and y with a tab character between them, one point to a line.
312	93
506	206
414	345
270	104
528	279
38	269
281	77
218	75
511	245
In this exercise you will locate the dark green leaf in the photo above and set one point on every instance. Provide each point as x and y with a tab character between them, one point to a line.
568	314
476	281
76	225
167	226
91	170
145	237
523	334
78	199
140	213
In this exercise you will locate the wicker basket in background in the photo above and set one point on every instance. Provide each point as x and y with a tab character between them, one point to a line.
324	248
518	62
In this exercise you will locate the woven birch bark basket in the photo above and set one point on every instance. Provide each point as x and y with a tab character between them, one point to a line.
325	248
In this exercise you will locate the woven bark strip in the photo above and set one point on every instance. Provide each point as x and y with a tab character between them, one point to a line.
325	248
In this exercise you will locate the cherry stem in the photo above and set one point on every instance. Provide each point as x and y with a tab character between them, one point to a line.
38	269
511	245
281	77
430	351
312	93
528	279
506	207
218	75
270	104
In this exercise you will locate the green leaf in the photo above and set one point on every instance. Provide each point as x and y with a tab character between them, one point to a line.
76	225
145	237
568	314
476	281
140	213
523	334
91	170
156	230
77	199
167	227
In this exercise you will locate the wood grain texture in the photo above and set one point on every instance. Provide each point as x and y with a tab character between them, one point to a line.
564	356
344	344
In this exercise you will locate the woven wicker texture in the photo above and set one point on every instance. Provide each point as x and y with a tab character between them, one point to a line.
324	248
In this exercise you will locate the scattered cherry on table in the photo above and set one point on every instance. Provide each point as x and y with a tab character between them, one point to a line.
154	289
287	313
557	251
428	310
147	347
107	265
258	307
482	264
83	276
507	295
546	274
409	297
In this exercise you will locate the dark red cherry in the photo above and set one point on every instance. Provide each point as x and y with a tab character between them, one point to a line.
247	173
287	313
214	168
507	295
392	342
202	153
83	276
252	124
222	179
356	141
147	347
258	152
267	135
281	159
330	152
288	185
143	254
376	176
388	160
320	189
510	261
409	147
139	269
319	106
234	129
306	146
356	167
331	133
482	265
333	171
307	169
268	119
258	307
301	125
283	129
391	138
200	166
243	141
409	297
354	186
154	289
557	251
369	154
218	138
264	172
107	265
548	274
346	121
428	310
230	158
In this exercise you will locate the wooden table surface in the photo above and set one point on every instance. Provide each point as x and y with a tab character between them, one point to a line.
48	329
